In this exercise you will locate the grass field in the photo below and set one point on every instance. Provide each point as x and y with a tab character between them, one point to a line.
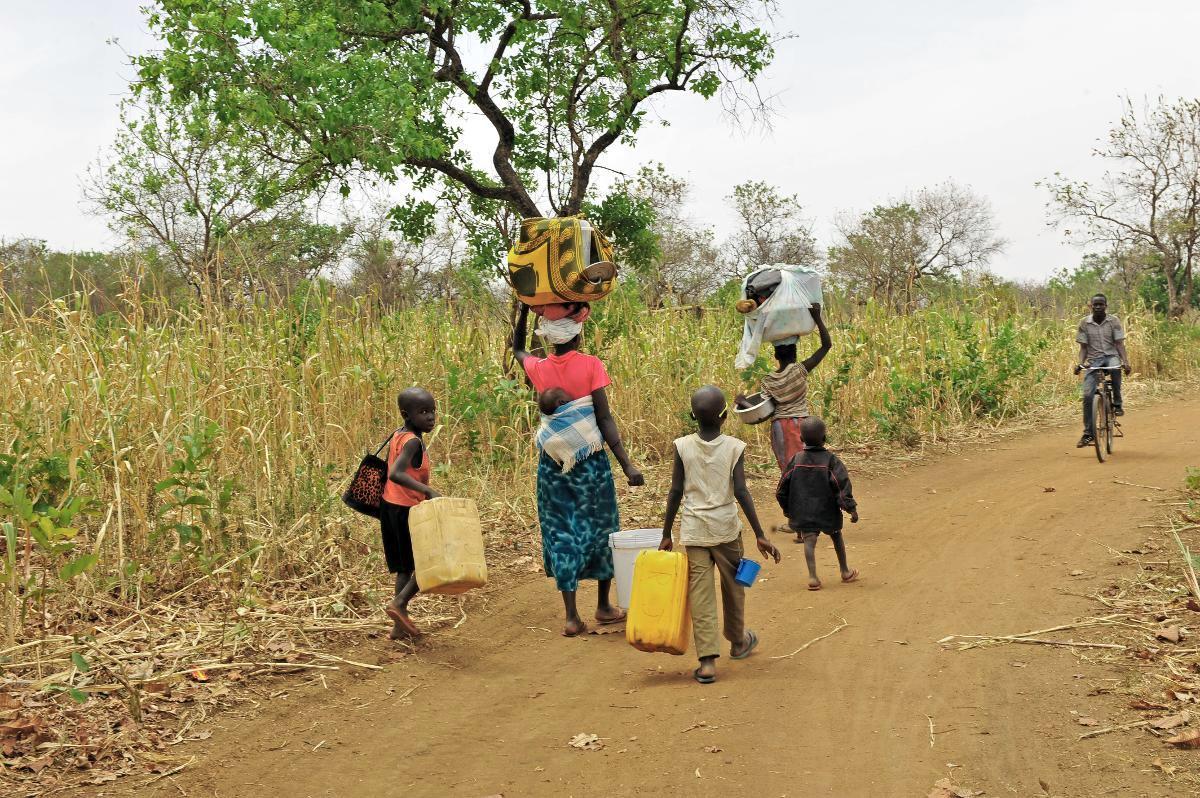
149	447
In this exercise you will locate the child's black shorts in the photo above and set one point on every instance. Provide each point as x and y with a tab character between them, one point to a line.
817	531
397	542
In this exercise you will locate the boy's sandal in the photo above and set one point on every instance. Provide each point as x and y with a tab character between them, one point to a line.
852	577
701	678
583	629
750	645
817	586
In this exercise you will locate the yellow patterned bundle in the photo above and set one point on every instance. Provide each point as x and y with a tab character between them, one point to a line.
547	264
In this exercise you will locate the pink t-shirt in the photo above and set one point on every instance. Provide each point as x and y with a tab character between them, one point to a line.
575	373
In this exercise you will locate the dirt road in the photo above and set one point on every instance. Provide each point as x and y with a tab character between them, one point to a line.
967	543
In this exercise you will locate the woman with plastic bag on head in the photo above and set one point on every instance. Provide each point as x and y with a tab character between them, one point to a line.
781	305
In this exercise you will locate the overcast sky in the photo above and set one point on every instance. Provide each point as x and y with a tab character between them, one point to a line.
872	98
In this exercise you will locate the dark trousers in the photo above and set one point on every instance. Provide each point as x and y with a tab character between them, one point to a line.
1089	388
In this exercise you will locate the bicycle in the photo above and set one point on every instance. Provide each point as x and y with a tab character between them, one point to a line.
1105	426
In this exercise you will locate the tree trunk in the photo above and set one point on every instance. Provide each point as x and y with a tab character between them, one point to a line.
1189	285
1174	309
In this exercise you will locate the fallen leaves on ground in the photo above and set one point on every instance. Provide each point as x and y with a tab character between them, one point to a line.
586	742
1087	721
1146	705
1187	739
22	732
1157	764
1172	721
1171	634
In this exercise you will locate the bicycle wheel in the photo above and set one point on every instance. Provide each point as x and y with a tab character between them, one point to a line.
1099	419
1109	424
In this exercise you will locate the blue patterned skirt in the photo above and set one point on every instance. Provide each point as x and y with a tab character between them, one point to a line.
577	511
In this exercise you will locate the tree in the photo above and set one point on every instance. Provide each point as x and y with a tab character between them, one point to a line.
1151	196
668	253
183	183
278	253
398	272
376	88
771	229
938	232
32	274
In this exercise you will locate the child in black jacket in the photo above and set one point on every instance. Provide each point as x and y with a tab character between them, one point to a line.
813	492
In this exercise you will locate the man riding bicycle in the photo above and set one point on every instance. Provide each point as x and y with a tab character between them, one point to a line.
1101	345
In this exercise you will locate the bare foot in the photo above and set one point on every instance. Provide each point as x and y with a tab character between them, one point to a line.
610	614
574	627
398	632
850	576
402	621
814	584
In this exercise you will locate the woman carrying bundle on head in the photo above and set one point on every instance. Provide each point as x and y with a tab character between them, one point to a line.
787	387
576	497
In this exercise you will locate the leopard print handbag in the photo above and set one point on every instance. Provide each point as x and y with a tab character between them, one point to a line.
365	491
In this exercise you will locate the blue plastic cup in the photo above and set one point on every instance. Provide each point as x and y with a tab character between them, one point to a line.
747	572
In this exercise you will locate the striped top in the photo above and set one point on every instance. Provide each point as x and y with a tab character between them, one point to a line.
789	390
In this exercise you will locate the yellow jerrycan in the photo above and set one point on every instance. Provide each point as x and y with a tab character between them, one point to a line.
447	542
658	608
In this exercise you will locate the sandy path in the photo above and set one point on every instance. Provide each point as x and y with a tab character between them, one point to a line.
968	543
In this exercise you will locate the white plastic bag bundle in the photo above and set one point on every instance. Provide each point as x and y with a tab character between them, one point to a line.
784	315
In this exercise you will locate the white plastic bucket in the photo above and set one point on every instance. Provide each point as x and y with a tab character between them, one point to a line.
626	545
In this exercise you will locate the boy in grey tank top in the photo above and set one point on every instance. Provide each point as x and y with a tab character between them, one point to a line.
709	481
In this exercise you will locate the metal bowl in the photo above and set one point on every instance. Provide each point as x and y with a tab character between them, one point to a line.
761	408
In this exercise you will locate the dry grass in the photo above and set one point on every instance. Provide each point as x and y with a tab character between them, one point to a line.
253	566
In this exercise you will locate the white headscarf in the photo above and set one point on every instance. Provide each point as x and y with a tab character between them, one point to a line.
558	331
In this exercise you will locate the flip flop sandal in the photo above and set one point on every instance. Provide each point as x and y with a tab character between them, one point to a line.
852	577
618	619
405	622
703	679
749	646
817	586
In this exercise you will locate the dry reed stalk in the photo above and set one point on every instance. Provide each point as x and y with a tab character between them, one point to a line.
830	633
1188	568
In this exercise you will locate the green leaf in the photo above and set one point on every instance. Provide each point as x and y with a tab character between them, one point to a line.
77	566
197	501
170	482
77	695
79	662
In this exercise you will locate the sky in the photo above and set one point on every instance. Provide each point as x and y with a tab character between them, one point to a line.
872	99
